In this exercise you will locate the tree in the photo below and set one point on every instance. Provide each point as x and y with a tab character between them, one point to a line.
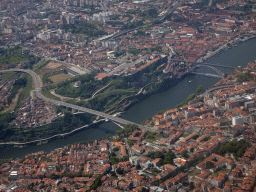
168	157
53	176
209	165
178	19
130	143
144	189
207	138
243	77
115	149
237	148
191	186
114	160
200	89
195	137
184	154
96	182
185	183
240	152
138	166
152	12
158	155
112	154
151	136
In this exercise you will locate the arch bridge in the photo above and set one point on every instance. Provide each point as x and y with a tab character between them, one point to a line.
218	75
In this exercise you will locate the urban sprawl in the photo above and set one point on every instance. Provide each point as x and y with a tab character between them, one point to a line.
206	144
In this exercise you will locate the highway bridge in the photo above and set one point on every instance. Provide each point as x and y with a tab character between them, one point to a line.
218	75
207	75
112	36
79	108
203	63
209	65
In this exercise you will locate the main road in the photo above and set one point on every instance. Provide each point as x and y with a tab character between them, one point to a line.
79	108
216	88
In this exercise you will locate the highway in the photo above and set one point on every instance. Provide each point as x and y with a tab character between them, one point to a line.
79	108
169	10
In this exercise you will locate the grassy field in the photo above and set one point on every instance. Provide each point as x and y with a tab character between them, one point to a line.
29	86
8	75
47	93
40	65
15	56
184	135
50	68
25	93
60	77
13	103
195	172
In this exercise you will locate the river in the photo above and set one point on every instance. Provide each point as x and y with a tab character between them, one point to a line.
241	54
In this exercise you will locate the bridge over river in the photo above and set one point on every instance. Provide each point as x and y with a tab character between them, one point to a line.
79	108
203	64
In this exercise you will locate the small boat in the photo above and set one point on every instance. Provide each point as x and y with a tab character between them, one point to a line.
190	81
106	120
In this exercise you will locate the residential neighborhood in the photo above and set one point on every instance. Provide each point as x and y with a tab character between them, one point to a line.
203	146
207	143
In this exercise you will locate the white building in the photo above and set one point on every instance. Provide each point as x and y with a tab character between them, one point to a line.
237	120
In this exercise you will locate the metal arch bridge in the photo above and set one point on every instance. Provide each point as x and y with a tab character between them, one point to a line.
218	75
209	65
204	63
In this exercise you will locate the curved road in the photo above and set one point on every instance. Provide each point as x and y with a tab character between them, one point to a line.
79	108
216	88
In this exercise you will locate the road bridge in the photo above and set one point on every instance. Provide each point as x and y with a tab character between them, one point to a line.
114	35
204	63
219	73
207	74
79	108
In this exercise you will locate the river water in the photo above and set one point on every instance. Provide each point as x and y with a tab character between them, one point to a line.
241	54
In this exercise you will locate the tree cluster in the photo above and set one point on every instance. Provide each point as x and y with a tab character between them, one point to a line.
167	158
128	129
237	148
85	28
61	125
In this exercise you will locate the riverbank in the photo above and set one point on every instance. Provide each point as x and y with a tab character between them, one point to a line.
169	83
57	136
232	42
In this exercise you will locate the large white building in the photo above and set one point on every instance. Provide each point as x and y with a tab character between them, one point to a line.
237	120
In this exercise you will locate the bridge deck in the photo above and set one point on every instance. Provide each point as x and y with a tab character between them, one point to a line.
203	63
207	74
